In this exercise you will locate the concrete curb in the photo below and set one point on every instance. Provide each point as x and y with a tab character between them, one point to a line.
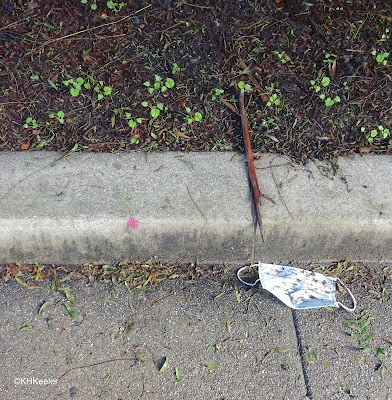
196	206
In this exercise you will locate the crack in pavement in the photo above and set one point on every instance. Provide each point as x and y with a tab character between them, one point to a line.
309	393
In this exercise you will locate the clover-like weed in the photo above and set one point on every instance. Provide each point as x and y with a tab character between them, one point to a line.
244	87
192	117
132	122
159	84
59	116
216	93
155	109
381	57
30	123
93	5
77	85
379	132
283	57
321	86
115	7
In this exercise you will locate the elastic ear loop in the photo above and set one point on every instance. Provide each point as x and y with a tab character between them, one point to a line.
352	296
244	268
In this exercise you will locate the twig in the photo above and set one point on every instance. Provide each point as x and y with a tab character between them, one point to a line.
195	204
32	173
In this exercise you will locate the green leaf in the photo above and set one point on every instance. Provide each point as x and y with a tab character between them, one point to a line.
210	347
198	116
74	92
51	115
213	366
20	282
100	96
160	106
71	312
368	338
147	83
366	350
154	112
228	326
60	114
373	133
128	287
329	102
109	301
54	86
145	104
93	7
169	83
178	377
164	365
325	81
381	351
132	123
139	120
44	307
80	81
157	85
74	148
107	90
310	355
68	294
87	85
158	78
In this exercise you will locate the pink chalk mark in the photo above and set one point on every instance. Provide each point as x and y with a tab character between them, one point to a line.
133	223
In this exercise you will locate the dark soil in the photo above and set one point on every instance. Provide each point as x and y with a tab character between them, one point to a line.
277	47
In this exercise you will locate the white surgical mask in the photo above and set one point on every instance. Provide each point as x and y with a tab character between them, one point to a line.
298	288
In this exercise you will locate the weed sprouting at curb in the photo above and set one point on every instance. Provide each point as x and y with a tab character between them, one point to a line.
30	123
115	7
244	87
321	87
273	97
379	132
216	93
283	57
77	85
132	122
191	117
159	84
92	5
59	116
381	57
111	5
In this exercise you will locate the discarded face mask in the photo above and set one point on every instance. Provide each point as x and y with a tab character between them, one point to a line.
298	288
